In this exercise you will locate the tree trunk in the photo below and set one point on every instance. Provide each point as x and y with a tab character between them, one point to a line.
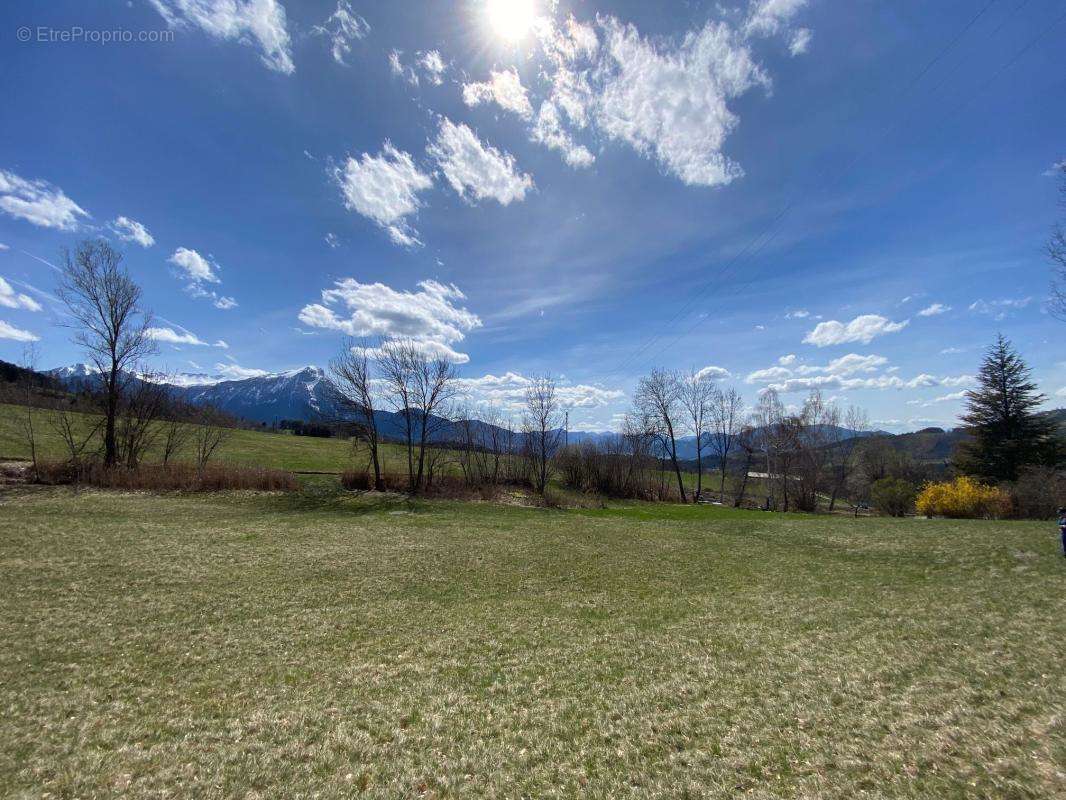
739	499
699	472
378	486
110	450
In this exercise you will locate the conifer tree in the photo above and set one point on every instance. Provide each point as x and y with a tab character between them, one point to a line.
1007	432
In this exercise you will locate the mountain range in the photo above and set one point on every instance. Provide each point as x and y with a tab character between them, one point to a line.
305	394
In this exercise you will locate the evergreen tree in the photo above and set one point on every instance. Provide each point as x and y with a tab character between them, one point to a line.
1007	431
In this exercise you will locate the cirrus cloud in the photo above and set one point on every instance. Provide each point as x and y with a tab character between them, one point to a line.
251	22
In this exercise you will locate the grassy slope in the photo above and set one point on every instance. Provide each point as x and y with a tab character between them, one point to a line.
261	645
258	448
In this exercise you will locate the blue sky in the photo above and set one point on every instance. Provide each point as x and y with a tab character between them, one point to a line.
853	196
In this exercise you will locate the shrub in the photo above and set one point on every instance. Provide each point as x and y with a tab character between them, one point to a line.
172	477
893	497
1038	492
963	498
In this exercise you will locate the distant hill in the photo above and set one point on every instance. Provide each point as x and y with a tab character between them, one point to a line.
308	394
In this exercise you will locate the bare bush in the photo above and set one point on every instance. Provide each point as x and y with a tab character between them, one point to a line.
174	477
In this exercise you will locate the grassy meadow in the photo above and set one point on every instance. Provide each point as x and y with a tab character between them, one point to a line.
253	645
259	448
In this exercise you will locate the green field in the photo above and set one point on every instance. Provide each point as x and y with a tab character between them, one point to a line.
279	450
287	646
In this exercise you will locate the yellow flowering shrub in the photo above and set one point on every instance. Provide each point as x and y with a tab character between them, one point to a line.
962	498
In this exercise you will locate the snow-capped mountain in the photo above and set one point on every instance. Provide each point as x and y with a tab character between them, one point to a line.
305	393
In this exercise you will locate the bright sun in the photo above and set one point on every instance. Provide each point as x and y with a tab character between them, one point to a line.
511	19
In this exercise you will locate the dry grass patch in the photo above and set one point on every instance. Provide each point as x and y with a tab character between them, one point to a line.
234	646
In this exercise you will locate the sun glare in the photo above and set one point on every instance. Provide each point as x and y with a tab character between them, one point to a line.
511	19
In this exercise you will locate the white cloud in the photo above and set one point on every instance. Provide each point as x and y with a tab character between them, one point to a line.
222	303
769	374
11	299
548	130
799	313
788	360
507	392
194	266
332	240
999	307
253	22
949	351
3	247
864	328
951	398
235	372
198	270
129	230
846	365
221	343
670	103
400	70
504	88
958	380
8	331
171	336
384	188
1058	168
800	42
429	63
934	309
433	66
768	17
1061	392
38	202
849	372
713	374
342	27
429	317
476	170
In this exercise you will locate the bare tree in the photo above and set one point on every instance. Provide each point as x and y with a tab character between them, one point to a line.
658	399
140	408
1056	250
434	389
768	438
175	432
727	420
78	432
541	427
842	451
113	328
352	373
419	387
209	434
30	356
814	431
747	441
698	398
395	359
